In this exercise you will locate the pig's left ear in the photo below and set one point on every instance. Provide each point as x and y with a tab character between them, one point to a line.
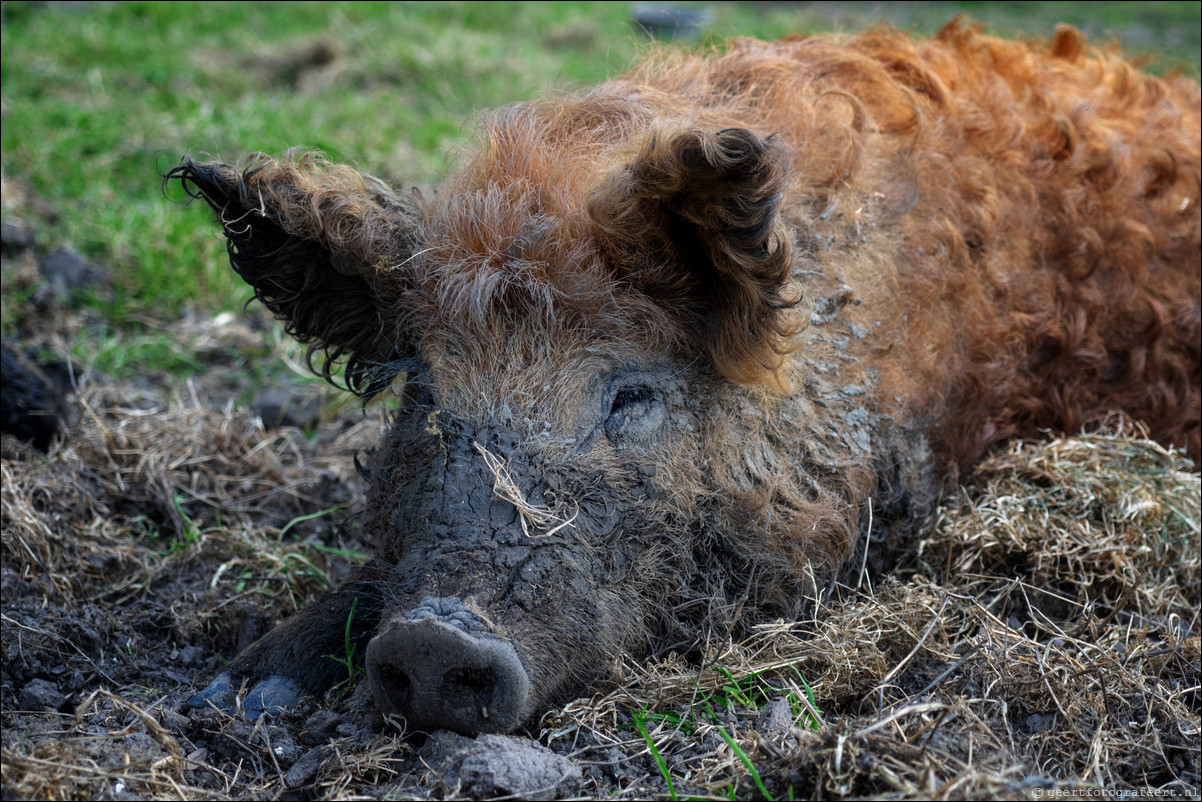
693	220
323	247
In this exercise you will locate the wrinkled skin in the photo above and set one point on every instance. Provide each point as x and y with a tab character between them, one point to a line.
670	351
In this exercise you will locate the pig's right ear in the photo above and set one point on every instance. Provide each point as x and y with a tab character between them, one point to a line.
322	246
692	218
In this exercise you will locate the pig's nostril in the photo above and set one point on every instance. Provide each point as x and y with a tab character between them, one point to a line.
396	684
479	682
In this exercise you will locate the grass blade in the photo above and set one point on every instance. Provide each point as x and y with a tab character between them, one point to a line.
659	760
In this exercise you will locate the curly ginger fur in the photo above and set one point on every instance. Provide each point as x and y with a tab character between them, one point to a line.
1034	218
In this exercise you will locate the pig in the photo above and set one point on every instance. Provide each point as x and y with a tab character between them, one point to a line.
673	349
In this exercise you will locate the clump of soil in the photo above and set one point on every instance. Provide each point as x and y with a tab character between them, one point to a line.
1044	636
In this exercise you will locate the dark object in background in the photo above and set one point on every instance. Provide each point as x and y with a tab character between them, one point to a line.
31	396
670	22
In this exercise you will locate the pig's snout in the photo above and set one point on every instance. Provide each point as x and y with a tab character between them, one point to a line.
438	675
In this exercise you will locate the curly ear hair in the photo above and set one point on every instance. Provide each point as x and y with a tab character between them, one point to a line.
321	245
694	220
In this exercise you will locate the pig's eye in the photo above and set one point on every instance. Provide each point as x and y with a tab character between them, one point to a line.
628	398
636	413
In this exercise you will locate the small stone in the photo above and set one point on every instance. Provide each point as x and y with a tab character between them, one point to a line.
856	417
190	655
775	719
349	729
496	765
304	770
285	750
16	236
320	727
1039	722
39	695
67	272
280	408
174	722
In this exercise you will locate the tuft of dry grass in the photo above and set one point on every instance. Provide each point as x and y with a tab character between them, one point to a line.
135	490
1109	519
536	516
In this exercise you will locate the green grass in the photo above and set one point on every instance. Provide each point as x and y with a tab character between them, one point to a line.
639	719
744	697
122	353
347	660
101	98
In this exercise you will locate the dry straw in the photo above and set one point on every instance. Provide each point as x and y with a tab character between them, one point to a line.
531	515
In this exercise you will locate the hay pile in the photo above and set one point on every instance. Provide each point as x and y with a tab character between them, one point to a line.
1048	638
135	485
1045	635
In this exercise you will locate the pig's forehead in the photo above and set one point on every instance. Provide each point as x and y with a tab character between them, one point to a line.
548	376
509	249
511	302
507	324
497	254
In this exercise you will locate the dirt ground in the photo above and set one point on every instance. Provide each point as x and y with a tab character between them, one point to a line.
1042	637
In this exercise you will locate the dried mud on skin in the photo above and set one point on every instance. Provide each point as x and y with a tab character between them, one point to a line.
1043	635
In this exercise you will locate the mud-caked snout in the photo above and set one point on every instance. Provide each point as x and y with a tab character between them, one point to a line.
441	667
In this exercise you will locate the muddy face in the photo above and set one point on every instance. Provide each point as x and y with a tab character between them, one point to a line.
529	552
